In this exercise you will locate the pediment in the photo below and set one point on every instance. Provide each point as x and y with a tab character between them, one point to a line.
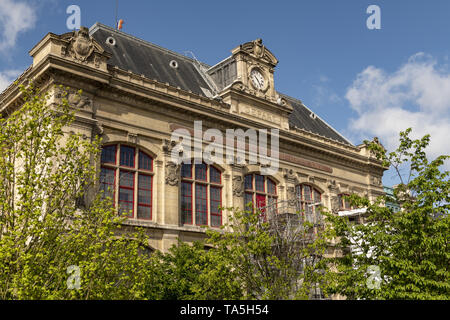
256	49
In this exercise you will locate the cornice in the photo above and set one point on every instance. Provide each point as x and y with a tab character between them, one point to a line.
138	86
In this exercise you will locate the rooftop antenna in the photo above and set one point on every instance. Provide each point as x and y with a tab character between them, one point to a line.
117	5
119	23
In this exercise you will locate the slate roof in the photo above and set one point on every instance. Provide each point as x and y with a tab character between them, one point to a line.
152	61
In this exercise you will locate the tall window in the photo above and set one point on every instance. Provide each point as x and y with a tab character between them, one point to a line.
260	190
201	195
127	178
310	198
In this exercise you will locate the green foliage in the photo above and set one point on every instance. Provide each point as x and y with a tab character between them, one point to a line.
247	259
270	259
44	172
190	272
410	247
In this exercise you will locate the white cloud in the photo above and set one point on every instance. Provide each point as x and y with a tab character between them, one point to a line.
15	17
417	95
7	77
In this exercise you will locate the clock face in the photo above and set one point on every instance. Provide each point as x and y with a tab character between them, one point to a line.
257	79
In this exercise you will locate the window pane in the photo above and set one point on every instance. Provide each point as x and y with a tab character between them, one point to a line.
186	202
144	197
308	210
214	175
144	212
215	203
107	182
316	196
126	156
126	207
200	172
259	183
186	170
216	220
145	162
109	154
271	187
248	182
201	209
126	192
126	179
307	193
298	191
248	198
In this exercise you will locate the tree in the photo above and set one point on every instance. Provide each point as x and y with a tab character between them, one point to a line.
189	272
271	254
404	254
51	247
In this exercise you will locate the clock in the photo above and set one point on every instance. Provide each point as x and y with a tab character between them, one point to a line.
257	78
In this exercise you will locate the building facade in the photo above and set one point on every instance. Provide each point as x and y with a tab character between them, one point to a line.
137	94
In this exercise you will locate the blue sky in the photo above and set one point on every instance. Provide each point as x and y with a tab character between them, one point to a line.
363	82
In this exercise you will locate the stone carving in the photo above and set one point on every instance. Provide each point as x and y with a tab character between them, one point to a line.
291	196
78	101
376	181
132	137
289	174
332	185
81	45
168	145
238	186
172	173
335	204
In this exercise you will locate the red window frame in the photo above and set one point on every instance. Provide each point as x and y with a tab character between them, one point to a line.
206	172
256	195
184	210
195	180
136	170
139	161
304	202
204	200
214	202
214	169
140	204
134	157
115	154
127	188
190	171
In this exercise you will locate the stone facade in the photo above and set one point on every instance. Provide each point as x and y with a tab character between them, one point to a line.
128	108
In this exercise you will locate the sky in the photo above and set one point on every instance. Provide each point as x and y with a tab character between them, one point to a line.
363	82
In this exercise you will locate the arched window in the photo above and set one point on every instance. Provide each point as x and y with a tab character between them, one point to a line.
310	198
127	177
260	190
201	195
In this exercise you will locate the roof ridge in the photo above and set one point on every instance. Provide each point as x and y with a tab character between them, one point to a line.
99	25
